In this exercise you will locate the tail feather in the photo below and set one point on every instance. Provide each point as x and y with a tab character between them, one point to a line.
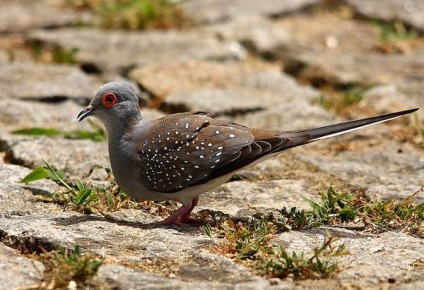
311	135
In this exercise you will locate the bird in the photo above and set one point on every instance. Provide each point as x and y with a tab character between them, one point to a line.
180	156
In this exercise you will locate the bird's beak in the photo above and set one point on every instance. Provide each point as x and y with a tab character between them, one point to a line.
86	112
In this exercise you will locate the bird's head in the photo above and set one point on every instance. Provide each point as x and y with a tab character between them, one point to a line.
114	102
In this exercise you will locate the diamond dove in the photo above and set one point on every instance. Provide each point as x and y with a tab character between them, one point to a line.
180	156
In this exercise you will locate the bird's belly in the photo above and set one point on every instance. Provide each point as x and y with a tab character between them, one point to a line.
126	176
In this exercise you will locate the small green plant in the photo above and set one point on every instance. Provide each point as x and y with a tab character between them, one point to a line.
251	244
135	14
66	265
245	240
80	196
282	264
415	131
338	209
395	37
349	95
98	134
64	56
53	54
395	215
294	219
394	31
335	208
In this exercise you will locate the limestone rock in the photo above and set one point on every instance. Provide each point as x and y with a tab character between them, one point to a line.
39	81
19	15
209	11
123	50
12	265
410	12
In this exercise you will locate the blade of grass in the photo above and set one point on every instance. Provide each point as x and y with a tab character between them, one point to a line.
36	131
37	174
57	176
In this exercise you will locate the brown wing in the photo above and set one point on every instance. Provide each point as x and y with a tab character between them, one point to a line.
188	149
264	143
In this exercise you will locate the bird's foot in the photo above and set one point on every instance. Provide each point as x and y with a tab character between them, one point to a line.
180	217
180	221
192	220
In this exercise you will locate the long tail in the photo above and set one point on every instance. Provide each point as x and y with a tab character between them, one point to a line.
310	135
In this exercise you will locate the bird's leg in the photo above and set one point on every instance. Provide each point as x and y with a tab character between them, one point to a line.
174	218
186	217
180	216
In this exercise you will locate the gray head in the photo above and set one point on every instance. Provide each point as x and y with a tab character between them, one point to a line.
114	102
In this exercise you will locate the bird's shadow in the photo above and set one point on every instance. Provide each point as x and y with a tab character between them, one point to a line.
76	219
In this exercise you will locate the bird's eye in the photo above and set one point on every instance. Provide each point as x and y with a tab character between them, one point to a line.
109	99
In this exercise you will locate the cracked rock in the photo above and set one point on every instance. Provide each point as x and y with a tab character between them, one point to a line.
12	265
46	82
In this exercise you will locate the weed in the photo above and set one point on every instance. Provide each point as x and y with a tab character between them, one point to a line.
98	133
294	219
394	31
414	132
135	14
80	196
339	209
282	264
64	56
244	240
52	53
395	215
343	98
65	265
250	243
395	37
335	208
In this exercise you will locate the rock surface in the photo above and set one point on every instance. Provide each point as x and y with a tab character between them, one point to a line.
330	54
221	65
28	14
210	11
35	81
12	265
127	49
411	12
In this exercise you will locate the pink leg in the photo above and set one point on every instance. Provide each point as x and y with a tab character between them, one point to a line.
180	216
186	217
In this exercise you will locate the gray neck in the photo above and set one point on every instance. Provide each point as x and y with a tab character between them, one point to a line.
118	127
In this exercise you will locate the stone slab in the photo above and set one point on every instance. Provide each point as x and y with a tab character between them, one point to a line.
210	11
21	15
12	265
123	50
411	11
76	157
40	81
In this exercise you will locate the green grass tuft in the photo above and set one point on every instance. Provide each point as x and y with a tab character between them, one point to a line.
66	265
80	196
251	244
98	133
394	31
135	14
343	98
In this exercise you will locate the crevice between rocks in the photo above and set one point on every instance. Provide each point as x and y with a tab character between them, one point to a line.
26	244
181	107
90	68
6	150
53	99
9	157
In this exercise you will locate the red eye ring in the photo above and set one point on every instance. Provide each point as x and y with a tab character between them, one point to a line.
109	99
